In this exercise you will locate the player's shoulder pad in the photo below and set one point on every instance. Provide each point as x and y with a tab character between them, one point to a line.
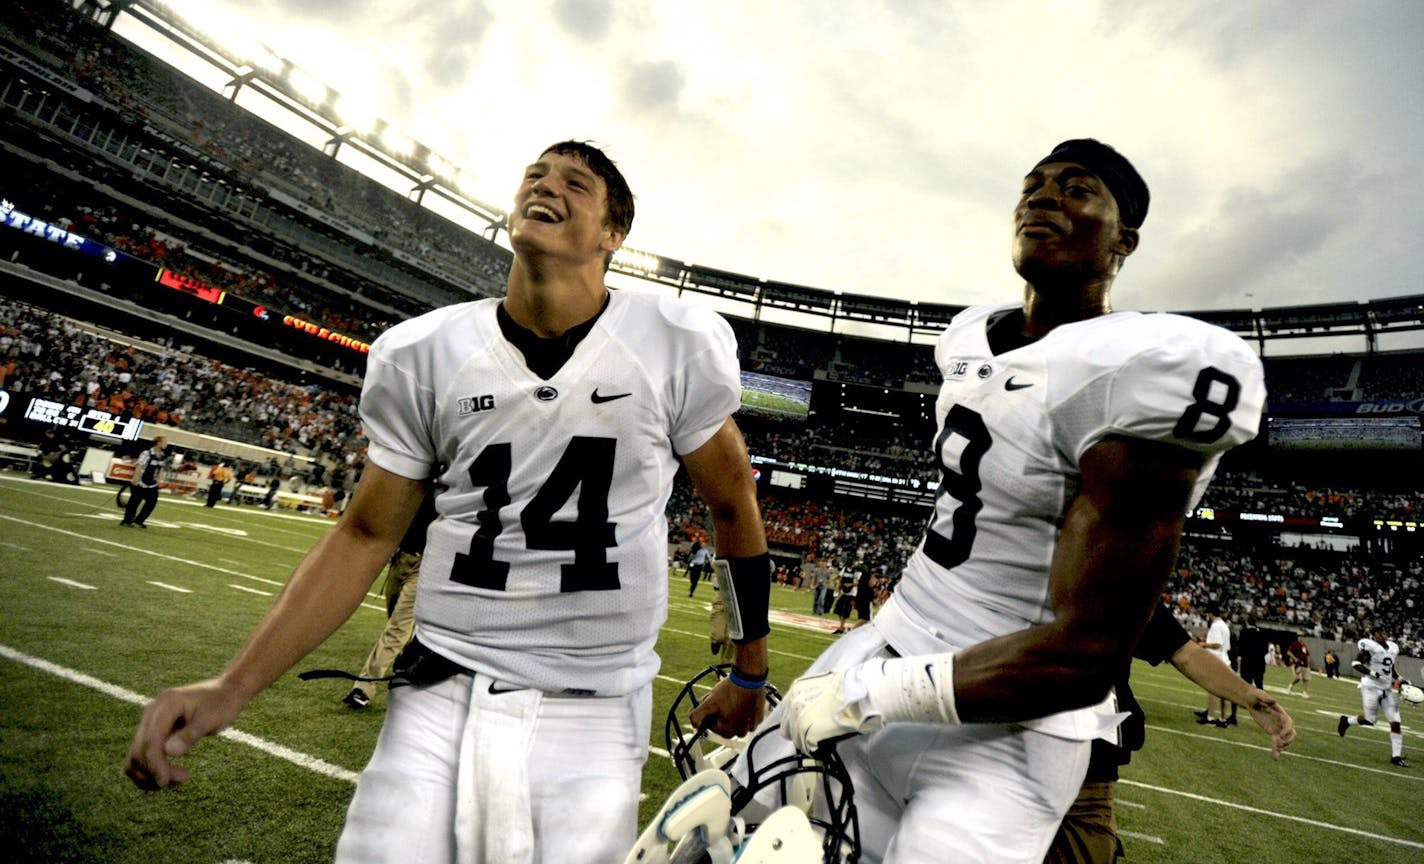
418	331
650	317
1162	377
961	328
1117	339
685	316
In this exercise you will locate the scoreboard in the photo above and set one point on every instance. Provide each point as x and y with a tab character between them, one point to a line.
49	412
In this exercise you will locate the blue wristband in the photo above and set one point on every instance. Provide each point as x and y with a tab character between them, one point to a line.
745	680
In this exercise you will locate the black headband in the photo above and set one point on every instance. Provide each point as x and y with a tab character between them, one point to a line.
1109	166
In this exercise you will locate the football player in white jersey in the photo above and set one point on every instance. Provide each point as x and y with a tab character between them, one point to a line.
1073	441
1218	642
1376	665
551	424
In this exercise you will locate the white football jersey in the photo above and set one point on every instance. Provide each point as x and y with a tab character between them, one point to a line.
1219	633
1011	431
1382	659
546	565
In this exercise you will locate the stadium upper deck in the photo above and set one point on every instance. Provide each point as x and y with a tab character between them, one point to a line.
208	136
120	150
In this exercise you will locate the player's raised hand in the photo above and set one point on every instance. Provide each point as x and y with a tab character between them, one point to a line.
171	724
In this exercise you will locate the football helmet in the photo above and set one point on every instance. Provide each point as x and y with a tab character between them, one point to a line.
787	806
696	826
695	750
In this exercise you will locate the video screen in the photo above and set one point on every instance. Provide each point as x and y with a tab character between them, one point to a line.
770	396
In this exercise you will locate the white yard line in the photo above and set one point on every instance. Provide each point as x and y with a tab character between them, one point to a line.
1147	837
703	637
71	583
188	561
1381	726
1289	753
170	587
239	574
1314	823
320	766
250	590
303	760
109	491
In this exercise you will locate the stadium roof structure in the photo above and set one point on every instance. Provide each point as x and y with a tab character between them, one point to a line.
263	71
320	105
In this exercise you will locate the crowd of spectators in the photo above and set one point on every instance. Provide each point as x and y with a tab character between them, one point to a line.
1331	594
1325	593
113	227
1308	379
1241	492
251	149
1345	377
96	216
846	537
923	369
48	355
1392	376
220	131
892	450
875	364
786	351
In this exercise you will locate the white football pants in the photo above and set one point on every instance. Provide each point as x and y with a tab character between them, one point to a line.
930	794
1375	695
583	767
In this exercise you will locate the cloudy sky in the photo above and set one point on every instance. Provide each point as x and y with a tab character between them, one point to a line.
877	147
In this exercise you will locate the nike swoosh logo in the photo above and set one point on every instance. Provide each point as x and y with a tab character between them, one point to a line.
599	400
1010	385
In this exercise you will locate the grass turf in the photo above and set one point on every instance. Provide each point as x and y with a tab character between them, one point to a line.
1193	794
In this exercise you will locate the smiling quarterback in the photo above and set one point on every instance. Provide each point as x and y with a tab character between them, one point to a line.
550	423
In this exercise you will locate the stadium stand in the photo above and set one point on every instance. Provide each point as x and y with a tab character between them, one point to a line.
115	147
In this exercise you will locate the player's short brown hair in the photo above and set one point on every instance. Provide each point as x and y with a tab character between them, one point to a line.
619	214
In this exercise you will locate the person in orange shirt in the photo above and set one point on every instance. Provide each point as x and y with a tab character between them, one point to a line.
218	477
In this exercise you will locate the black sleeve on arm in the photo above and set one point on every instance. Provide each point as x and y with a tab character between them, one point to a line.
1162	637
746	592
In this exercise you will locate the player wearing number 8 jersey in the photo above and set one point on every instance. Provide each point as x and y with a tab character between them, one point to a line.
1376	667
550	423
1072	441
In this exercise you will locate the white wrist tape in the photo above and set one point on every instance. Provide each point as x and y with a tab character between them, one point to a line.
908	689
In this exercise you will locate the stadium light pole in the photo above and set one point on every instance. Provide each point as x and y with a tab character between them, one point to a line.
417	192
491	232
236	83
333	146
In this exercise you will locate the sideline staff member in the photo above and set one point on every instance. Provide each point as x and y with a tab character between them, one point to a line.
143	494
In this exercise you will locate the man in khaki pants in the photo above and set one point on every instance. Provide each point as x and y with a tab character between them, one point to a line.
399	591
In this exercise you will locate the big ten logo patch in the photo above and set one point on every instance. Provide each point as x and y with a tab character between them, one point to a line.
476	404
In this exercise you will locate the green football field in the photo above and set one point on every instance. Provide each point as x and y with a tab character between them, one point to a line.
773	403
99	618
